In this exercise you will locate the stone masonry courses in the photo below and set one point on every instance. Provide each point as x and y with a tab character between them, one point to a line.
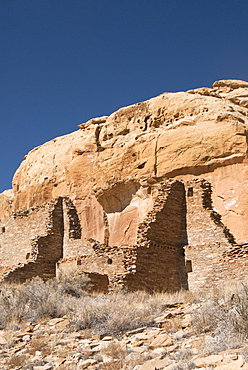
180	242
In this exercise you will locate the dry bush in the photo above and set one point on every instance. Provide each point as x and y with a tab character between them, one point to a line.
13	306
38	344
115	350
75	286
224	317
183	360
112	365
132	359
117	312
16	361
37	299
172	325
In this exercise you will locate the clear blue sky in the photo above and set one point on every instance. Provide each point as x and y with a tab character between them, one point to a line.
63	62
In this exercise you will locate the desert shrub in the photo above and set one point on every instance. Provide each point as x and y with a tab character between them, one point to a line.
39	299
117	312
111	314
224	317
75	286
43	299
16	361
13	306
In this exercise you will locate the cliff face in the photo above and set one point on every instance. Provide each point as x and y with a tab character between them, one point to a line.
199	133
120	213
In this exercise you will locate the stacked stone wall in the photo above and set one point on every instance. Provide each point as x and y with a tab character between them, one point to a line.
158	268
32	242
101	262
160	241
48	239
208	237
155	262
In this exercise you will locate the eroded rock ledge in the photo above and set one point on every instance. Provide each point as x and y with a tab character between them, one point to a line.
119	217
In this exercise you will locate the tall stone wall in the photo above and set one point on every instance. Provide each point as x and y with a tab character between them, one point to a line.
208	237
157	226
155	260
32	242
161	238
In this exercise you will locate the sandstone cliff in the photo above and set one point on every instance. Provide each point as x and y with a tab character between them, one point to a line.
114	171
201	132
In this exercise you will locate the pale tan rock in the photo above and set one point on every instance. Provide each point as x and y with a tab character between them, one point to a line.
26	338
175	134
3	339
208	361
62	324
6	199
233	365
233	84
186	321
84	364
155	364
162	340
111	169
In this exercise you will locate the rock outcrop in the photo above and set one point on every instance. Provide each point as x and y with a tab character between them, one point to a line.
114	171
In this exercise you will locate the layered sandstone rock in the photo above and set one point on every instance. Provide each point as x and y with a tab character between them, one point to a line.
201	132
113	169
6	200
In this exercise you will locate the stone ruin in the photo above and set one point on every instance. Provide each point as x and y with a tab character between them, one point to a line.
153	196
166	233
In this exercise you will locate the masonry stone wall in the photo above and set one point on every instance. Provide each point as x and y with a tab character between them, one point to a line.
31	242
161	239
208	238
151	263
164	230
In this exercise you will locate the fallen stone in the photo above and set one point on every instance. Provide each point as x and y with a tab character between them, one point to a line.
54	321
140	349
233	365
3	340
107	338
155	364
162	340
43	367
159	352
135	331
62	324
208	361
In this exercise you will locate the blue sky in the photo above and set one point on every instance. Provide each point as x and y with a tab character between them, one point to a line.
63	62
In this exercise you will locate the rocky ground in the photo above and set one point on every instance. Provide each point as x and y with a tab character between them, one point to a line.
175	342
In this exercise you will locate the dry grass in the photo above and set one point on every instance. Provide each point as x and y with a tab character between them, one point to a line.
110	314
183	360
224	318
16	361
118	312
38	344
115	350
37	299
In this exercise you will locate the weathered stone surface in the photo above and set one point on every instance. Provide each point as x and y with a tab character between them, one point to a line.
6	199
76	350
208	361
174	134
162	340
121	217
